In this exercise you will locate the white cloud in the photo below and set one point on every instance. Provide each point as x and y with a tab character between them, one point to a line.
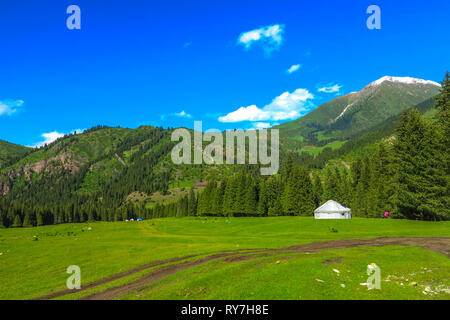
285	106
9	107
182	114
293	68
250	113
48	138
261	125
270	37
53	136
330	88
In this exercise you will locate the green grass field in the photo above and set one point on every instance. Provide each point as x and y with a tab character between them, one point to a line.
316	150
33	261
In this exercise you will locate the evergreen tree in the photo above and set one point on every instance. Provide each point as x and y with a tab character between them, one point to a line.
2	218
443	106
356	172
317	191
192	203
287	167
332	190
17	222
263	203
229	197
274	191
276	209
39	219
420	175
251	198
27	221
218	198
298	198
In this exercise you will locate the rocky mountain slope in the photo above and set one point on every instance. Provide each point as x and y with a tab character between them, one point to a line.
357	112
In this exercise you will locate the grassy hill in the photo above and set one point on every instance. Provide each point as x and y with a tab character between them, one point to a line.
365	142
94	158
10	152
99	160
354	113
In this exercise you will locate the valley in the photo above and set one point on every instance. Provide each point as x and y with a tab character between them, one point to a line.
195	258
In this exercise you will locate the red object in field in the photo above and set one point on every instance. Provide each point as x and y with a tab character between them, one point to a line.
386	214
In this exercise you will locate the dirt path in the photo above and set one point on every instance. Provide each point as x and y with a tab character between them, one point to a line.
436	244
129	272
112	278
142	282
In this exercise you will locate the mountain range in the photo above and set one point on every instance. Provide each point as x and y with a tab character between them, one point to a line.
102	157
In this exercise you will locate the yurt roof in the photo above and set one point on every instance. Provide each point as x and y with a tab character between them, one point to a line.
332	206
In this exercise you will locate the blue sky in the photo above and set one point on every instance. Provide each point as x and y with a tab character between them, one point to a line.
169	63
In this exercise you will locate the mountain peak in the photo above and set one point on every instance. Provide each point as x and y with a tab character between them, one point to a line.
406	80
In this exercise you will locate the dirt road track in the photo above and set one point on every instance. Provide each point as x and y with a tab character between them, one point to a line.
436	244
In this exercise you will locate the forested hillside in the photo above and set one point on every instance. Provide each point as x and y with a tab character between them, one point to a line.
344	118
10	153
399	164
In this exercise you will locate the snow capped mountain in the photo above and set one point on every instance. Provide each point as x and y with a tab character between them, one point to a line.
360	111
406	80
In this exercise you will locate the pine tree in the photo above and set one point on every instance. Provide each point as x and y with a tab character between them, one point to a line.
17	222
27	221
2	218
306	203
10	216
192	203
332	190
263	199
274	191
218	198
443	106
298	198
229	197
76	216
276	209
346	188
356	172
39	219
317	191
287	167
420	179
382	182
360	194
241	189
91	216
289	197
251	198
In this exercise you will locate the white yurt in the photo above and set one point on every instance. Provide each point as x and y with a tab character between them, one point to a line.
332	210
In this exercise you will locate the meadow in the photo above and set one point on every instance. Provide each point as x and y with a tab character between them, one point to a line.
33	261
